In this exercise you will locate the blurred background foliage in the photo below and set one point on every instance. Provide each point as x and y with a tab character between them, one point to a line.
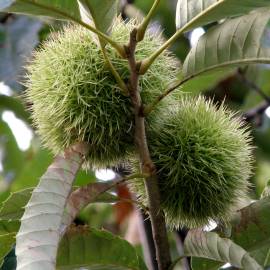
22	158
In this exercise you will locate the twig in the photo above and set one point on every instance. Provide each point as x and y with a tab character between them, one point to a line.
260	109
143	26
251	85
150	107
82	196
147	166
254	112
147	241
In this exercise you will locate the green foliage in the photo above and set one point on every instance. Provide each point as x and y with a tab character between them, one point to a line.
210	245
75	96
238	41
59	9
249	228
99	249
202	152
193	13
102	14
11	164
13	207
203	159
7	241
15	105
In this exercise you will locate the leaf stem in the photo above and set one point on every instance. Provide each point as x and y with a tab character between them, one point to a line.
143	26
150	107
116	75
147	165
84	195
146	63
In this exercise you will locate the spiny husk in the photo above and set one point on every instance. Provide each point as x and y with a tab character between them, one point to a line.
76	98
203	159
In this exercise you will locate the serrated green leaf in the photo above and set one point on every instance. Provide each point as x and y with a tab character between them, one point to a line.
102	12
209	245
12	207
98	249
250	229
236	42
194	13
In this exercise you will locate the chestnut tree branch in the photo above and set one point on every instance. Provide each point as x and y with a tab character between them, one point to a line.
255	112
147	165
252	86
82	196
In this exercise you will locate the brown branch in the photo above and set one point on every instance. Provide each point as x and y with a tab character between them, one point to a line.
82	196
147	241
147	166
255	112
253	86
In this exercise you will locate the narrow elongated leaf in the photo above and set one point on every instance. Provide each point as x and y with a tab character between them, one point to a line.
194	13
38	237
235	42
210	245
58	9
98	249
102	12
